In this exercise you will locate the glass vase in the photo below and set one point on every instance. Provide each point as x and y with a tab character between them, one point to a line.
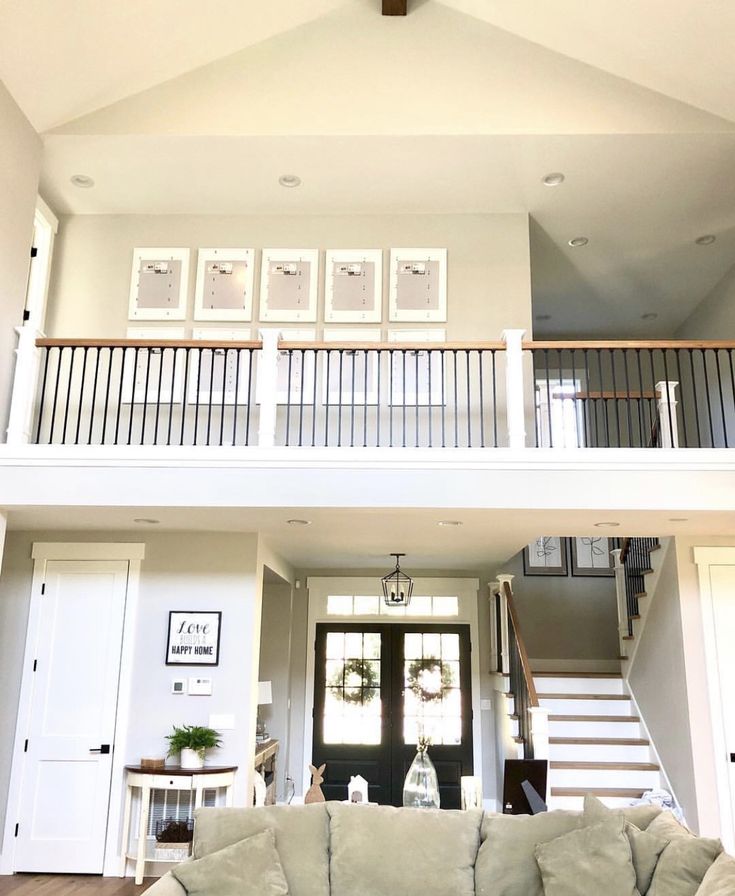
421	787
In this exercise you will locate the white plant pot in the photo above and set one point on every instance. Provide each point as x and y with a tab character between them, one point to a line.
192	759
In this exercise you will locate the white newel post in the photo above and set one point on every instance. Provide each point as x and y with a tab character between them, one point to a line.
540	731
622	599
504	634
493	592
667	424
514	394
23	399
267	387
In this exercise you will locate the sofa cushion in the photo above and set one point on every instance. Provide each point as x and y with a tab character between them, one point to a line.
720	879
248	868
645	847
593	859
683	865
380	850
641	816
506	865
302	839
666	825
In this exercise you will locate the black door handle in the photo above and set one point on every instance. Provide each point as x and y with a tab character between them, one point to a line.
103	748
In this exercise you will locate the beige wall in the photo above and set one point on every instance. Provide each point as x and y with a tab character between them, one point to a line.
20	162
714	317
657	678
489	285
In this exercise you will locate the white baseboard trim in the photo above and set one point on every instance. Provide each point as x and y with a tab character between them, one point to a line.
549	665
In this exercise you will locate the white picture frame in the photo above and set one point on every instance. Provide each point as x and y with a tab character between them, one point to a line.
224	285
366	388
418	286
289	280
302	381
353	286
406	393
237	385
159	284
134	379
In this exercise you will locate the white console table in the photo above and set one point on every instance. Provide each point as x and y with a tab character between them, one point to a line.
169	778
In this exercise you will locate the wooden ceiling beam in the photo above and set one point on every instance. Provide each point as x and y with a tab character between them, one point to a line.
395	7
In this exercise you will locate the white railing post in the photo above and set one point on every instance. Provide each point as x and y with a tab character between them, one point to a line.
268	387
504	633
667	424
515	409
540	731
493	592
622	599
25	381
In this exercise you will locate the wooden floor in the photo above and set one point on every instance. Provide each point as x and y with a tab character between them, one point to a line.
70	885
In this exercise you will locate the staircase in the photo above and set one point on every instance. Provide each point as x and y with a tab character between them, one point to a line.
596	743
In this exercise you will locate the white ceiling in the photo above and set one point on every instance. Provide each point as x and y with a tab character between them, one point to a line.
349	539
461	107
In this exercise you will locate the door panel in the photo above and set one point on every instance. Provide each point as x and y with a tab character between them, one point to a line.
66	788
375	688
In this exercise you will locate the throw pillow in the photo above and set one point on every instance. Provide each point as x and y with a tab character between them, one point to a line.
505	864
595	859
641	816
720	879
645	847
666	825
683	865
248	868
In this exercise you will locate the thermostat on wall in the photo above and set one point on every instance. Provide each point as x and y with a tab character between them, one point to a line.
200	687
178	685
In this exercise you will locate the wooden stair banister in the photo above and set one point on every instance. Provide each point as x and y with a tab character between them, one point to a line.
523	653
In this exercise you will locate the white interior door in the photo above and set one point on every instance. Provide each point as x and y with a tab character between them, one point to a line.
722	579
65	789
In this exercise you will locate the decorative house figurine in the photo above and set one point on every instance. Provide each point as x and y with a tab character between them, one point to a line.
314	793
357	789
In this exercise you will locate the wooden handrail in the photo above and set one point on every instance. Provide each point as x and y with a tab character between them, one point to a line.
395	346
631	344
523	654
50	342
46	342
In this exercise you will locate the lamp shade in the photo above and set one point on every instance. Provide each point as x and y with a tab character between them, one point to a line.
265	693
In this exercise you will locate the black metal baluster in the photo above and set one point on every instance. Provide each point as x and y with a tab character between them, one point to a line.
495	402
707	393
158	395
695	402
339	400
98	351
722	399
469	400
118	413
149	352
210	403
68	394
110	353
197	391
390	399
444	401
171	395
562	397
416	375
328	399
403	394
378	404
482	398
628	401
353	357
605	417
315	355
365	402
251	353
132	397
641	405
548	398
185	393
677	355
301	396
57	380
236	406
46	356
288	395
616	401
224	390
456	400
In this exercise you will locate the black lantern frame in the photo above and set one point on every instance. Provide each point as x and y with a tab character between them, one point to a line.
397	586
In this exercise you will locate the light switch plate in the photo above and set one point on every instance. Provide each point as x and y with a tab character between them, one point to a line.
486	705
200	687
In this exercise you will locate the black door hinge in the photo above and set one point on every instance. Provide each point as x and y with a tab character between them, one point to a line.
35	665
16	829
26	316
43	588
34	252
25	748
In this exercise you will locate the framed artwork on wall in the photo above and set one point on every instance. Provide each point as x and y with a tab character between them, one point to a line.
545	556
288	285
353	290
149	374
591	556
417	377
159	284
218	375
418	285
225	282
193	638
359	371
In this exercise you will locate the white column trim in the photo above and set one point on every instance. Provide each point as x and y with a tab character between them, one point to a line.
268	387
514	393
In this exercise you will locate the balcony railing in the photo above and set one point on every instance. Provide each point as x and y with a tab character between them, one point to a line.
373	395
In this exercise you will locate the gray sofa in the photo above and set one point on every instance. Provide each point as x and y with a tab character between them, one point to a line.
338	849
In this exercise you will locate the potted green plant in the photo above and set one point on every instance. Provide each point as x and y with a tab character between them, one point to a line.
192	741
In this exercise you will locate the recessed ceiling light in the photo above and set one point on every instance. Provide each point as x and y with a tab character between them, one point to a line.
146	521
449	523
678	519
705	240
289	180
543	317
578	241
553	179
299	522
604	524
82	180
649	315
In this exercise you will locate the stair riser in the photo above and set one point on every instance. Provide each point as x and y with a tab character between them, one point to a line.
595	729
599	753
587	707
577	802
579	685
594	778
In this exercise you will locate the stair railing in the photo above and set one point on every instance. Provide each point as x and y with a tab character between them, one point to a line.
632	564
513	662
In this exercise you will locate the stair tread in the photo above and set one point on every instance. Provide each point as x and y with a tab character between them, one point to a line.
602	741
588	718
628	793
607	766
583	697
577	675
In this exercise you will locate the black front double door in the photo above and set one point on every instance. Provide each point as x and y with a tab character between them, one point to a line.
376	688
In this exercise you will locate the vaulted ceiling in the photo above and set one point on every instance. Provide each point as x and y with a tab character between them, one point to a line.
179	106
